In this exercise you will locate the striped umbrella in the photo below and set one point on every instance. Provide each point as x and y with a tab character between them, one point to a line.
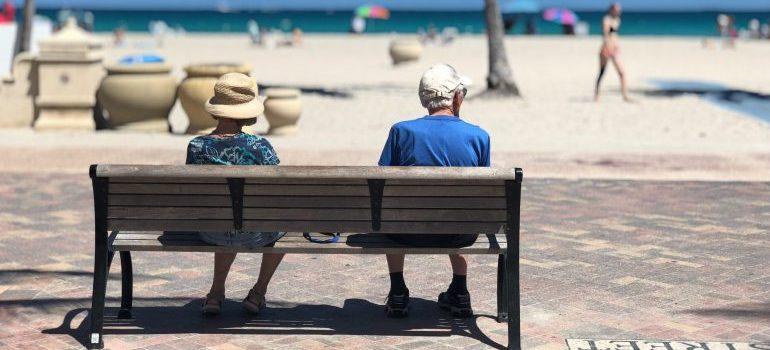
373	11
560	16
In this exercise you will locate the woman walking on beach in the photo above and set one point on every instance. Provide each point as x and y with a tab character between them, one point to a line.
610	50
235	105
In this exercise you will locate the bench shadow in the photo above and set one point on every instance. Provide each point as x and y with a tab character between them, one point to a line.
355	317
758	311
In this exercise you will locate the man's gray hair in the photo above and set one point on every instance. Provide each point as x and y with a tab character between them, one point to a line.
438	102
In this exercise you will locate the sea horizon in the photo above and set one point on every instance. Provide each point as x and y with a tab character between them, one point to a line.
659	23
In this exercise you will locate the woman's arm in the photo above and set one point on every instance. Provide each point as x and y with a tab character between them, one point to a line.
605	28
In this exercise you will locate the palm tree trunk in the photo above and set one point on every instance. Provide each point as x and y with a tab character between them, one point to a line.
500	78
24	32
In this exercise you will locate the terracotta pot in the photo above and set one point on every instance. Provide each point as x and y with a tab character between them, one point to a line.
138	96
198	87
405	50
283	108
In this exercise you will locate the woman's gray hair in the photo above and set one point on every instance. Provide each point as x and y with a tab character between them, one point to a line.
441	101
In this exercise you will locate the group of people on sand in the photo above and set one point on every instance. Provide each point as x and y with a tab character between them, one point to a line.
439	138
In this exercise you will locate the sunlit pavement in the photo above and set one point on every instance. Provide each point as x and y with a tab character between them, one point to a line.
600	259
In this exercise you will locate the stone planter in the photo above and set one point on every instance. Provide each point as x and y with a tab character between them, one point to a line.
405	50
283	108
198	87
138	96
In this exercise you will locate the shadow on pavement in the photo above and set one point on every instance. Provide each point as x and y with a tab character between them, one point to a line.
759	311
355	317
9	275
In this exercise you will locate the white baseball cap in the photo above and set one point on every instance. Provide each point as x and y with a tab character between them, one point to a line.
441	80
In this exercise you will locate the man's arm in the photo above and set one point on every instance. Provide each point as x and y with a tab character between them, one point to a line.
486	153
389	154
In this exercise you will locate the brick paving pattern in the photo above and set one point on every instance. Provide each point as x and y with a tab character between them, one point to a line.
600	259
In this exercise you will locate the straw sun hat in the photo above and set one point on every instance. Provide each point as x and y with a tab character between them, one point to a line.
235	97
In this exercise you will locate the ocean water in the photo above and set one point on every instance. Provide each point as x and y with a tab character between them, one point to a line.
634	23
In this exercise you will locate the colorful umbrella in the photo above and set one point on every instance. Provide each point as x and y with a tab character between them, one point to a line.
560	16
373	11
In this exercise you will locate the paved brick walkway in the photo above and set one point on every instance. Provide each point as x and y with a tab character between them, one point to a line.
601	259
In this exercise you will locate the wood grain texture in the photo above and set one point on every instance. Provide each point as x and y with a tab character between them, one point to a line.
314	172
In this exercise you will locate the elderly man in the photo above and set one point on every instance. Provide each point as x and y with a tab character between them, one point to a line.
440	138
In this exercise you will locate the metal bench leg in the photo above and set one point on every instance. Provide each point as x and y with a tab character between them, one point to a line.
512	227
502	306
102	258
512	296
127	285
99	290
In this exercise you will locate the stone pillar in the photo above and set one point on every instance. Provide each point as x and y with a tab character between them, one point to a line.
69	71
17	92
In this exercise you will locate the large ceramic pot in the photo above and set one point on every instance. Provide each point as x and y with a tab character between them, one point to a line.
405	50
283	108
138	96
198	87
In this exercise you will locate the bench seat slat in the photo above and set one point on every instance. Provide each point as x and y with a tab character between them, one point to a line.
310	190
170	225
305	172
390	191
290	181
288	237
348	244
179	213
365	226
304	226
172	200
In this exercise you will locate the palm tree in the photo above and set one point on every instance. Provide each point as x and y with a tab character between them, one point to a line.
500	78
24	34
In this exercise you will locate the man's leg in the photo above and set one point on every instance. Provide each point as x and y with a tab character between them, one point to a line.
398	298
456	299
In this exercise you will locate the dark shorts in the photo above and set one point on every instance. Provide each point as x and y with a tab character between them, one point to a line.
435	241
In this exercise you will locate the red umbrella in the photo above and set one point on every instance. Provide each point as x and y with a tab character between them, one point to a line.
8	12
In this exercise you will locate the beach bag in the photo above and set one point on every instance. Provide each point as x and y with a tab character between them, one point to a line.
334	237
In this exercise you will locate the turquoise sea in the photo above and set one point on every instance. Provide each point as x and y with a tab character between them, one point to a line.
634	23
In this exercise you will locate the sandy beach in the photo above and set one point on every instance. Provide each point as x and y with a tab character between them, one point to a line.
555	130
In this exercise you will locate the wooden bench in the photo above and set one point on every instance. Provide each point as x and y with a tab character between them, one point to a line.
159	208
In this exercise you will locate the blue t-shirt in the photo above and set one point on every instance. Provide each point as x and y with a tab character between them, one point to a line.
436	141
238	149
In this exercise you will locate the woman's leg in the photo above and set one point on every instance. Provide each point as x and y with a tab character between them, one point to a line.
602	68
269	264
622	75
222	263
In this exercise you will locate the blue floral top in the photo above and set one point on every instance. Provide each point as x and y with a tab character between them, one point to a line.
238	149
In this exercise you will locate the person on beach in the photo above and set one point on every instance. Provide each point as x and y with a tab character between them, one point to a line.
610	50
440	138
235	105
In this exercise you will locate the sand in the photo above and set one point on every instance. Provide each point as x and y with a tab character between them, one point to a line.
555	130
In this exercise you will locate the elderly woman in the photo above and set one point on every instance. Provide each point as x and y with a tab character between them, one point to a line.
235	105
440	138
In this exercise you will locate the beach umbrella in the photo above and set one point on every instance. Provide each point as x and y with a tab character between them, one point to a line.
560	16
373	11
520	6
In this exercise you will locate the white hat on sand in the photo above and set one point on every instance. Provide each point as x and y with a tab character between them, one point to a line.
440	81
235	97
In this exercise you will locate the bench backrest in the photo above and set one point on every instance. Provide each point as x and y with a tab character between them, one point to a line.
306	199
